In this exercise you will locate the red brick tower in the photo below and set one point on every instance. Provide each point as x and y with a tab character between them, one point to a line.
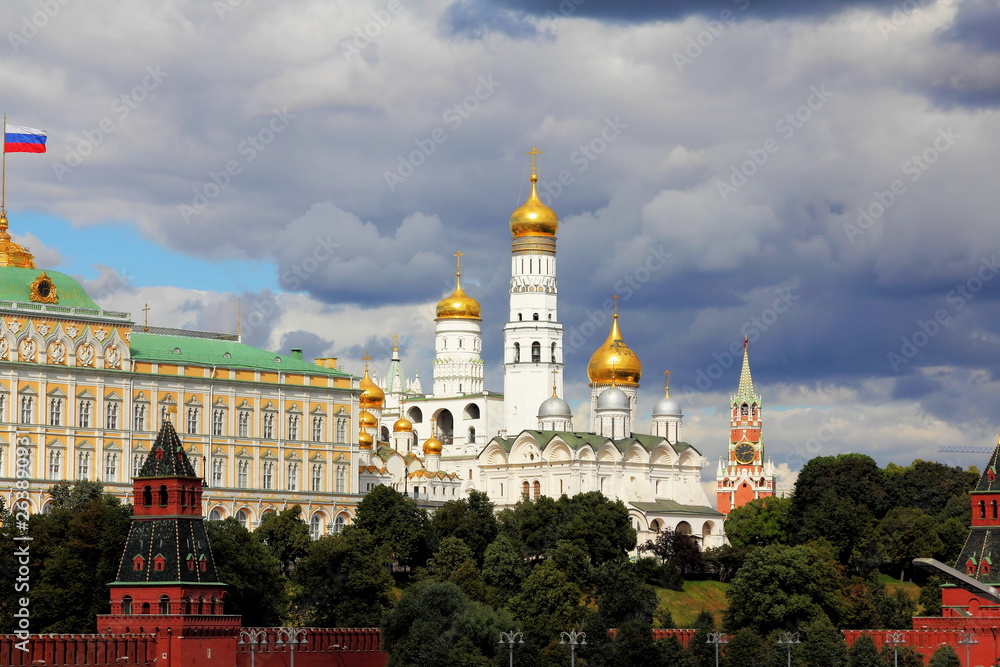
745	475
166	581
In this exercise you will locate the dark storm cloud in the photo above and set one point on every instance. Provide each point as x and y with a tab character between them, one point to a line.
977	24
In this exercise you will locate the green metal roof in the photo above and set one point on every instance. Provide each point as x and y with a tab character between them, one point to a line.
15	284
221	353
674	507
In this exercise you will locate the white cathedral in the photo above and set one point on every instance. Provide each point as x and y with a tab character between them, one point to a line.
461	437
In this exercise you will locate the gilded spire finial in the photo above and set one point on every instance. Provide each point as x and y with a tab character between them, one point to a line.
366	359
395	342
666	384
554	372
615	297
145	313
534	165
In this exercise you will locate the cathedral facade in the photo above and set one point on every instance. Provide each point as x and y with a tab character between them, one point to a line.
521	443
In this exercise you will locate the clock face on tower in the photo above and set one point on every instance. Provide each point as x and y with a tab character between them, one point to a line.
744	452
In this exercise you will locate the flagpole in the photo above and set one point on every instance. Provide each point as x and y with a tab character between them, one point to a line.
3	176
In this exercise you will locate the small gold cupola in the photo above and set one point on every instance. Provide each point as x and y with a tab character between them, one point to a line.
614	362
459	305
12	254
372	395
533	218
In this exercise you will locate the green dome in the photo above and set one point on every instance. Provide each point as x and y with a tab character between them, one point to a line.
15	285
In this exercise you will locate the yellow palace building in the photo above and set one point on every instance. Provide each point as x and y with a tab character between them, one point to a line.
83	392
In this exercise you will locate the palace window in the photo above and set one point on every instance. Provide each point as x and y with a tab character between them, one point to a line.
242	473
137	461
218	420
55	464
338	523
111	415
267	475
139	418
3	407
317	428
341	429
83	465
293	427
316	479
217	472
341	474
192	419
315	524
55	411
293	476
268	430
243	424
164	413
110	466
85	408
27	409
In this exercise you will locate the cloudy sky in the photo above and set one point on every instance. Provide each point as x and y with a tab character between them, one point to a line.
820	176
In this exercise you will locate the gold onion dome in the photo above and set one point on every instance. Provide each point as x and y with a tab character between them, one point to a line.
402	425
459	305
533	217
367	419
432	447
371	394
12	254
614	361
365	441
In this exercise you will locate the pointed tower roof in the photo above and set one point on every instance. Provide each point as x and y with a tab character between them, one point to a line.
982	545
745	390
167	457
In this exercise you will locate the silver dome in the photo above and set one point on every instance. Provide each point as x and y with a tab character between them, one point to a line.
667	407
613	398
554	407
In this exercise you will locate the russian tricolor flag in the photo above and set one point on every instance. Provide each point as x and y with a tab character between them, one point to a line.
19	139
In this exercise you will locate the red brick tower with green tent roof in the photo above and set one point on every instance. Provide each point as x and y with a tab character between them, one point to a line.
166	582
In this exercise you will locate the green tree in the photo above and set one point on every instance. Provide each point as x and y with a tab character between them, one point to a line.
725	561
450	554
621	596
573	560
633	645
838	498
678	549
864	654
504	566
870	605
471	519
927	485
903	534
759	523
255	586
76	550
532	523
343	581
944	656
434	624
599	525
702	653
794	585
672	654
286	535
547	604
908	657
822	644
397	525
930	597
746	647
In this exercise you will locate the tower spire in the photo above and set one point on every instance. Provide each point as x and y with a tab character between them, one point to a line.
745	389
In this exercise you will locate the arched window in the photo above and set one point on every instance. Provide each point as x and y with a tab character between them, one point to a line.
993	505
520	317
187	605
163	495
982	509
201	604
745	410
127	605
472	439
145	608
553	353
216	606
536	352
526	489
536	489
534	316
164	605
184	496
517	352
147	496
315	524
338	523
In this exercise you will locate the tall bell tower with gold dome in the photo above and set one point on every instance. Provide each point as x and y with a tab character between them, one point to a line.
533	336
458	364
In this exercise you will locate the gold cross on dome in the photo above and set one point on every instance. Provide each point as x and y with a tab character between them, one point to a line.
145	310
615	297
458	260
533	152
366	359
